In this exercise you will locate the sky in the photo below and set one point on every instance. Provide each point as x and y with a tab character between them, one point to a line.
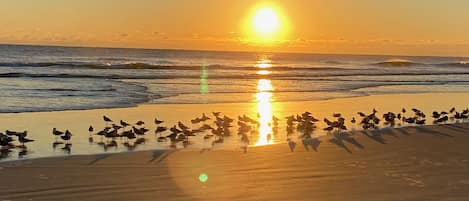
398	27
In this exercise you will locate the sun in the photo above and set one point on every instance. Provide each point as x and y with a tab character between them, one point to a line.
266	22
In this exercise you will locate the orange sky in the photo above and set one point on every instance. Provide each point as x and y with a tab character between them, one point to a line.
404	27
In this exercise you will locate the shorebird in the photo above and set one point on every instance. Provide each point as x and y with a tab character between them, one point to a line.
67	136
160	129
336	115
452	110
106	119
140	123
103	132
57	133
116	127
157	122
175	130
5	141
124	124
204	117
129	134
182	126
353	121
139	131
90	130
420	122
196	120
22	139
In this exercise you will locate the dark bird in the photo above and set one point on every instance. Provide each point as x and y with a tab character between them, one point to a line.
11	133
452	110
204	117
158	121
107	119
116	127
182	126
175	130
124	124
139	131
22	139
140	123
160	129
90	129
353	120
420	122
67	136
57	132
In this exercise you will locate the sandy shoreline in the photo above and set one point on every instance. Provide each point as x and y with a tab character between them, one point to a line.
40	124
413	163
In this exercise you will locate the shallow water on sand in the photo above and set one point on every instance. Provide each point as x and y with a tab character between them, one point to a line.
39	124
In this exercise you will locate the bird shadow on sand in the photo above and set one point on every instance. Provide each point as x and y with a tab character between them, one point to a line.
311	144
341	139
99	158
159	155
424	130
455	128
374	135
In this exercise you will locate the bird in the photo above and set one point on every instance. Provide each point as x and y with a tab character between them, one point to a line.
107	119
204	117
157	122
124	124
452	110
22	139
67	136
140	123
160	129
337	115
353	120
182	126
57	133
90	129
116	127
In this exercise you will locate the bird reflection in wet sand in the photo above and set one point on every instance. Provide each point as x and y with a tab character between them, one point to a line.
23	152
67	149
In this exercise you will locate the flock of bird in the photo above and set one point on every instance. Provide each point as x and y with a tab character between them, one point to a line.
218	126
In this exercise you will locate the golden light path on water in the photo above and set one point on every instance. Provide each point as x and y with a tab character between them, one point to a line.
264	105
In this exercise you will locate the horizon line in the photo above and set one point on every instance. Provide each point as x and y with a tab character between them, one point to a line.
223	51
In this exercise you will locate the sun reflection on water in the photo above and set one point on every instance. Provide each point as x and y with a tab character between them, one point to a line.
264	110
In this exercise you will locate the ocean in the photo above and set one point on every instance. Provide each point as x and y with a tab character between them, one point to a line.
50	78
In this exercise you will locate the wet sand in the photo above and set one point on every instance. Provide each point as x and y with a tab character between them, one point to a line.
40	124
413	163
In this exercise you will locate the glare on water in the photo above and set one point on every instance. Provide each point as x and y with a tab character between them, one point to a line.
264	110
